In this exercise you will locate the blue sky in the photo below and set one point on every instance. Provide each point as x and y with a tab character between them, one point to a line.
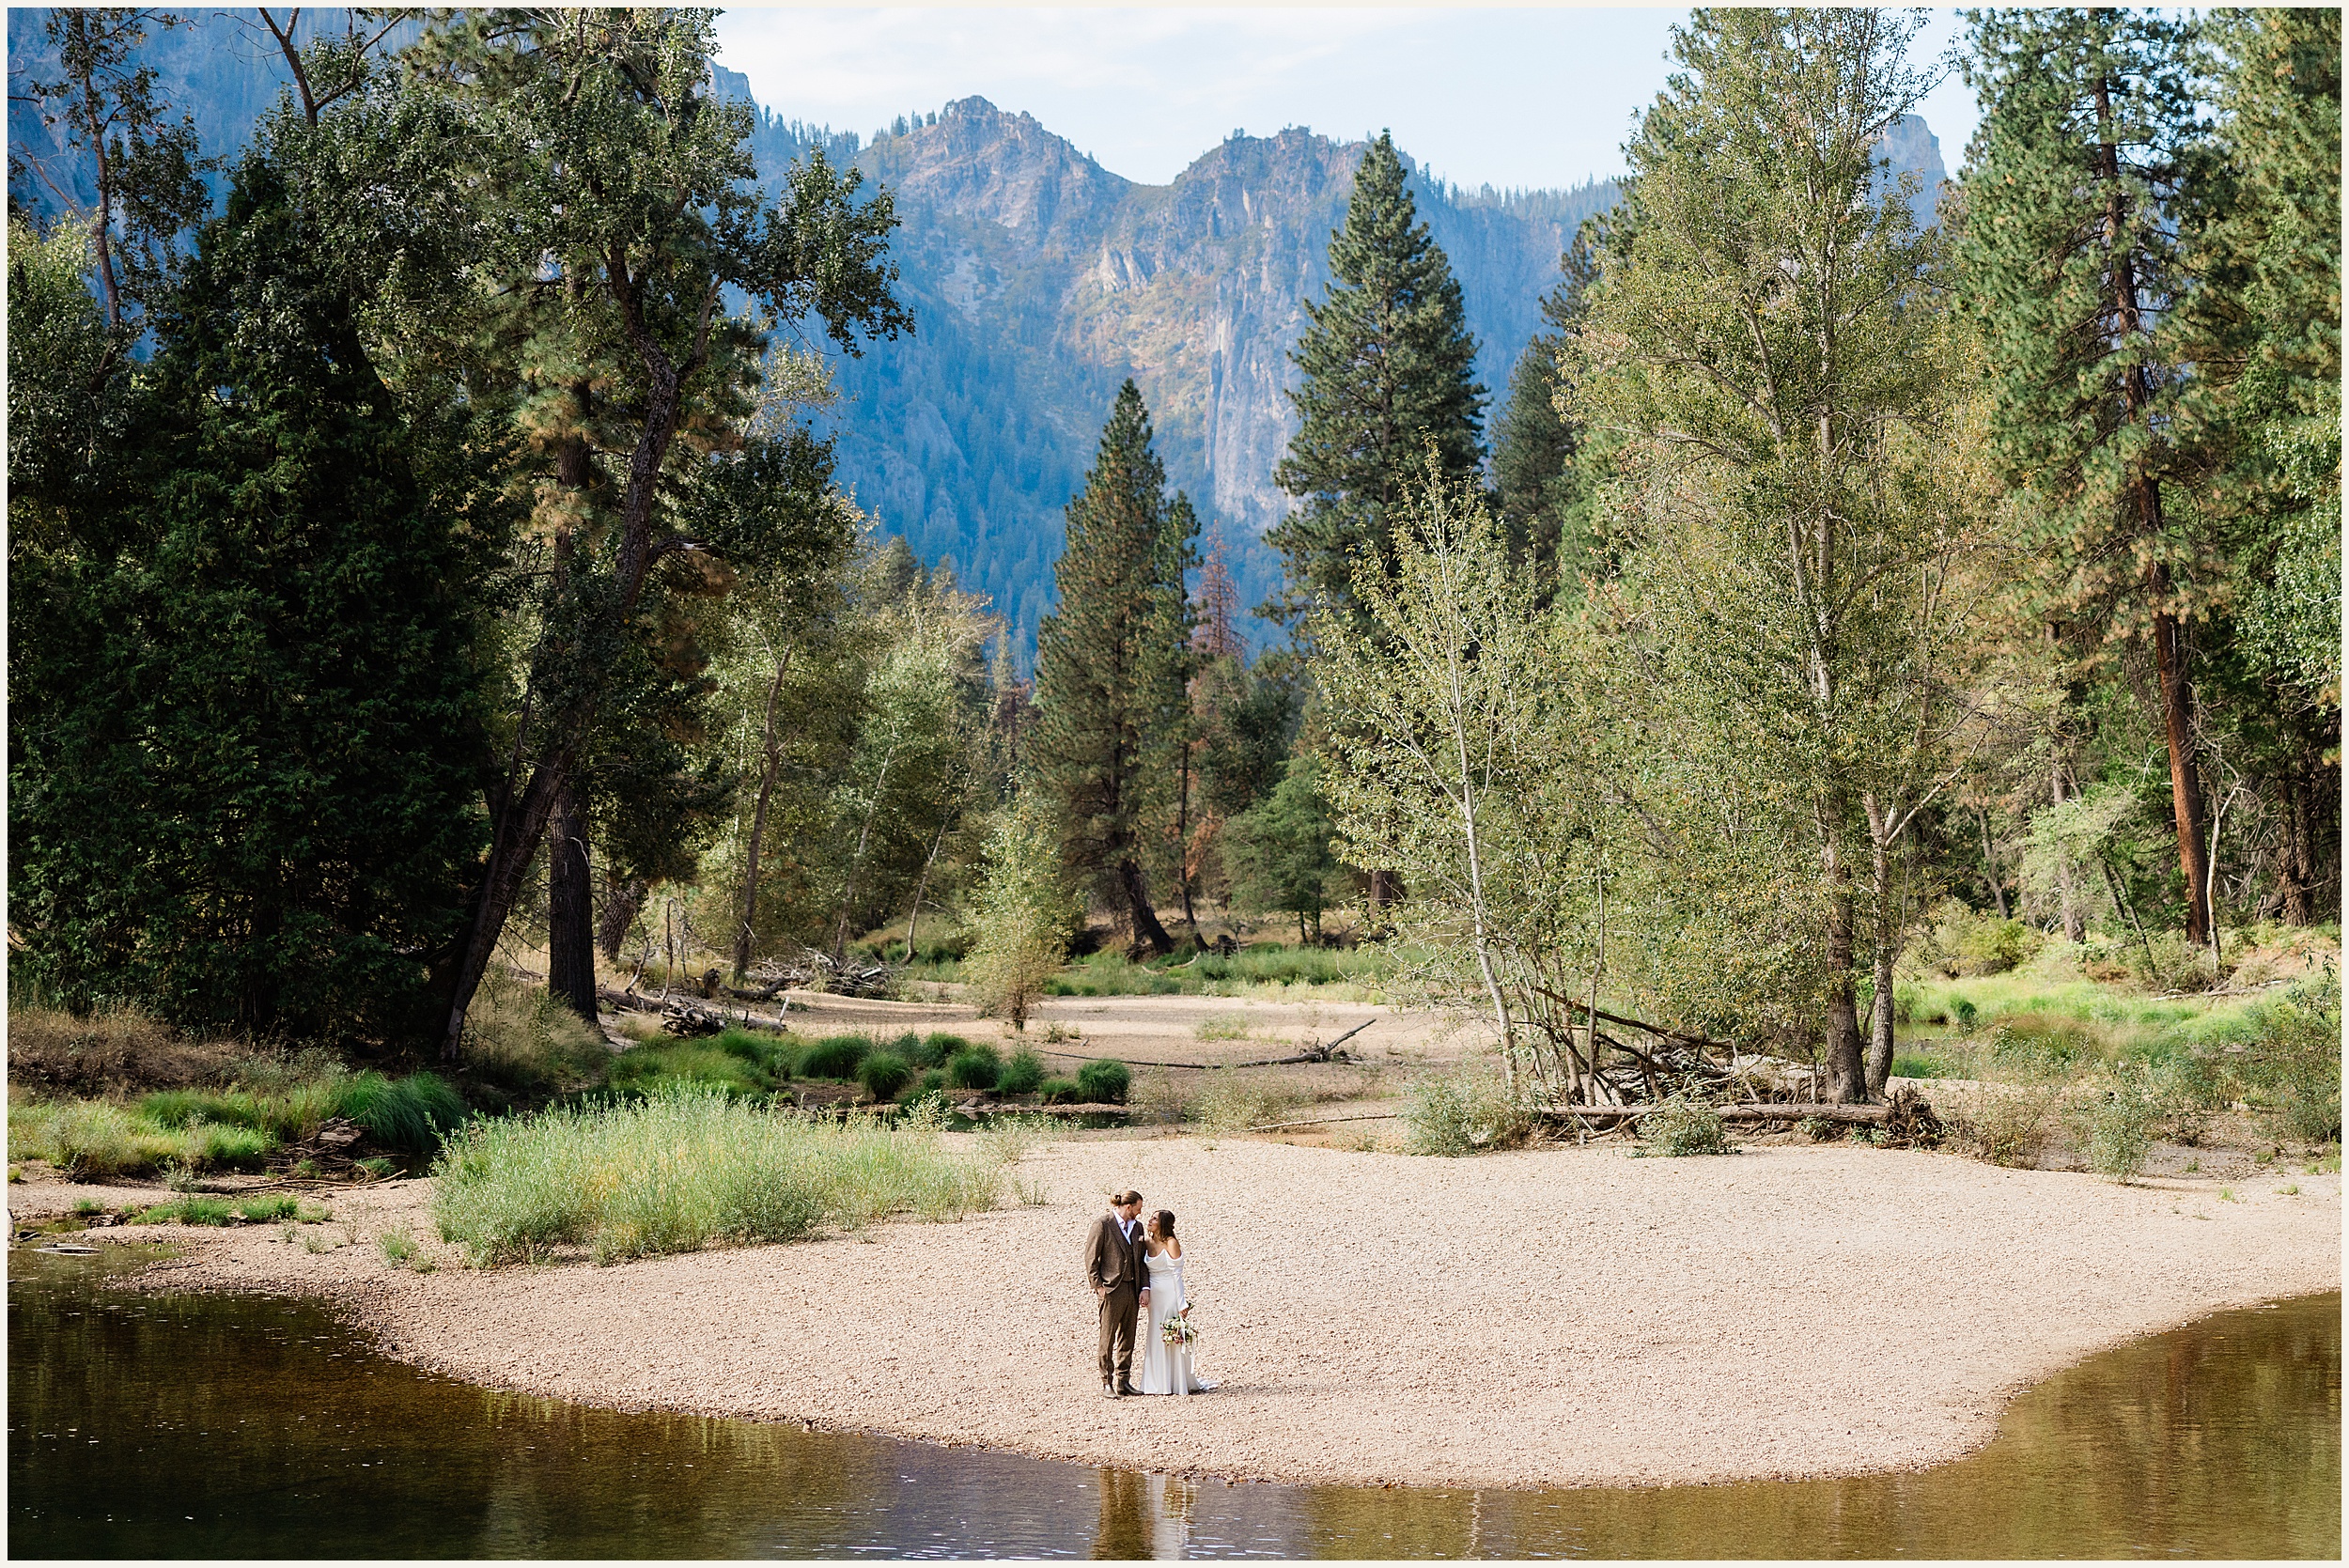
1523	97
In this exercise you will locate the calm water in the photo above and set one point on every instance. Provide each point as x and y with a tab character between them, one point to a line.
152	1425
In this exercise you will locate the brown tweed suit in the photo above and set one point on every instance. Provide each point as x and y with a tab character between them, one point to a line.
1119	1264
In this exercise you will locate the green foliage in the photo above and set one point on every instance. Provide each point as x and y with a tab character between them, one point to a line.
974	1068
411	1115
2294	1058
1104	1081
1680	1125
659	1064
1279	853
2120	1118
835	1056
1061	1091
1111	663
1462	1113
260	647
684	1169
1388	387
524	1039
771	1054
1021	1074
933	1049
932	1082
1544	479
884	1075
1023	913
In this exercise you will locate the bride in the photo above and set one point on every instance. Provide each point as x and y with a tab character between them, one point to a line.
1166	1368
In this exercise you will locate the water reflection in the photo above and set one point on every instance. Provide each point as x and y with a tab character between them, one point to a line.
187	1426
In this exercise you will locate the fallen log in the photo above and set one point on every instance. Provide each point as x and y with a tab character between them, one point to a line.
1326	1120
1317	1053
1851	1114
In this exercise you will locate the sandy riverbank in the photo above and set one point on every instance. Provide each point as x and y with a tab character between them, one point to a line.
1550	1317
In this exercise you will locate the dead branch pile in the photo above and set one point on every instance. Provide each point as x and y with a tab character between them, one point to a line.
813	970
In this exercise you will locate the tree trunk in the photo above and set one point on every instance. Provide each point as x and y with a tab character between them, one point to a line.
1886	953
2067	896
520	823
1846	1070
570	907
2298	874
767	766
1990	866
1182	842
1142	919
2186	798
621	900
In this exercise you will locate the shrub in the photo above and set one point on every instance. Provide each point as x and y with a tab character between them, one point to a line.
1060	1091
398	1247
687	1167
2116	1120
525	1039
1459	1115
936	1047
1021	1074
1023	916
2165	961
2005	1125
644	1069
933	1081
1230	1102
1104	1081
2295	1059
835	1057
2042	1045
1681	1125
187	1211
771	1054
974	1068
1919	1064
411	1115
1963	1013
884	1075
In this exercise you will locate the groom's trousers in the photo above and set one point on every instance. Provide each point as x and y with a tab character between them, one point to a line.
1117	1333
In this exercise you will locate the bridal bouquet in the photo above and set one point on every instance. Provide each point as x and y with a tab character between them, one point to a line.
1178	1333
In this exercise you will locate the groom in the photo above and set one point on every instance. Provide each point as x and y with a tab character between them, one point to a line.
1120	1278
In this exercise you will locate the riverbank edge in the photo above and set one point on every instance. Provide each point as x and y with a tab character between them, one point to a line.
359	1305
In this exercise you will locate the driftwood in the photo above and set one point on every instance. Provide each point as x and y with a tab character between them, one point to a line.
1789	1111
1315	1053
813	970
1326	1120
690	1018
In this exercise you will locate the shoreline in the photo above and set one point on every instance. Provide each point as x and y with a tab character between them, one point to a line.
1555	1317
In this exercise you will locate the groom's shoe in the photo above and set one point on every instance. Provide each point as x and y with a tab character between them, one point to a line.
1128	1388
1109	1389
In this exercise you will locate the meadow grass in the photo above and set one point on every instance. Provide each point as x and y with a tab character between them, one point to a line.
719	1063
96	1139
687	1167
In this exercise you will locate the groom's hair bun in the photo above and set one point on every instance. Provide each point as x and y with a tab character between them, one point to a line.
1128	1196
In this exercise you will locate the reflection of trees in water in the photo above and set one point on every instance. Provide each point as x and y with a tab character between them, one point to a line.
1124	1531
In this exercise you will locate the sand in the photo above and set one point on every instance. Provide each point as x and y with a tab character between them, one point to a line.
1549	1317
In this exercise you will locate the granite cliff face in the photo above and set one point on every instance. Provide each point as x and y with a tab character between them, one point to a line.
1040	280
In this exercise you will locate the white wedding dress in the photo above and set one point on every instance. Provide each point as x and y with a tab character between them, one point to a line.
1166	1368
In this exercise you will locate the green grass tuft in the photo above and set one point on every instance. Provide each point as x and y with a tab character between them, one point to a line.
1104	1081
685	1168
1021	1074
884	1075
411	1115
835	1057
974	1068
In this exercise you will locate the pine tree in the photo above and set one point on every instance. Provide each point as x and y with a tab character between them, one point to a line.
2079	188
1112	666
1389	367
1545	497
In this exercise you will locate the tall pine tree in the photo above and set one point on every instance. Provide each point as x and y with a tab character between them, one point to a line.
1389	367
1112	666
2078	192
1545	499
